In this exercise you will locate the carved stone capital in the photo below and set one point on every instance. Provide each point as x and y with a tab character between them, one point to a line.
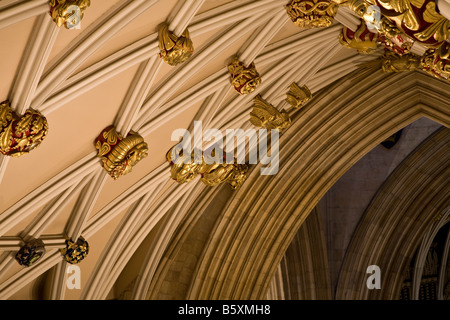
118	154
20	135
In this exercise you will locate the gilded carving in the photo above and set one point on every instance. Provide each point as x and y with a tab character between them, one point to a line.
266	116
400	44
20	135
417	18
437	61
174	50
362	39
30	253
392	62
298	96
184	170
62	11
119	155
75	251
244	79
312	13
234	174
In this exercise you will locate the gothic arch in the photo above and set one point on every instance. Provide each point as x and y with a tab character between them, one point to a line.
397	219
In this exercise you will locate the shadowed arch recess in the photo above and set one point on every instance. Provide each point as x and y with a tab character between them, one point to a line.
396	220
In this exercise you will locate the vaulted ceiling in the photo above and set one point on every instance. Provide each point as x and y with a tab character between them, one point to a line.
109	72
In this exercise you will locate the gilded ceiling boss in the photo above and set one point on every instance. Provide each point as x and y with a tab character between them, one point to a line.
266	116
20	135
30	253
298	96
174	50
362	39
312	13
184	169
119	155
75	251
244	79
63	13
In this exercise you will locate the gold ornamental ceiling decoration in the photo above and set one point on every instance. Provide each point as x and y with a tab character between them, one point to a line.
118	154
435	62
174	50
68	12
75	251
184	169
417	20
244	79
20	134
298	96
30	253
312	13
362	39
265	115
391	62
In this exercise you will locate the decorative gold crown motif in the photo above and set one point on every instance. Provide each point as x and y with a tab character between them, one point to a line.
20	135
312	13
118	154
244	79
61	11
266	116
174	50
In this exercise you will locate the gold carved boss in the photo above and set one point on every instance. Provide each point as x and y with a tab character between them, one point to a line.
266	116
312	13
244	79
119	155
68	12
362	39
174	50
20	135
298	96
184	169
437	61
